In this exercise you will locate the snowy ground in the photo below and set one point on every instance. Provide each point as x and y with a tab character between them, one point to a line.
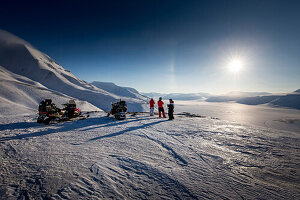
147	158
260	115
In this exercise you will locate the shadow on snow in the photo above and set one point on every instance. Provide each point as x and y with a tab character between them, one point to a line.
126	130
69	126
19	125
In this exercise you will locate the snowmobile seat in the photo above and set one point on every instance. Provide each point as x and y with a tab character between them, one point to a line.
71	109
48	102
119	110
42	106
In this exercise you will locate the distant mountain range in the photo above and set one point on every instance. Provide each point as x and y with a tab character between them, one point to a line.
178	96
235	96
28	75
290	100
297	91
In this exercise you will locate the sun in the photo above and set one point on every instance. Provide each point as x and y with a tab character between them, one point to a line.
235	65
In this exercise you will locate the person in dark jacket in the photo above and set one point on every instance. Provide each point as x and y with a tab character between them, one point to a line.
171	109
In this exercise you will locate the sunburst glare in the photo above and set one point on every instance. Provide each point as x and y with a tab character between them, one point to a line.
235	64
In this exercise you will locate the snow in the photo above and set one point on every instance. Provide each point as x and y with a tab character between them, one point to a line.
19	57
145	157
259	115
224	151
118	90
20	95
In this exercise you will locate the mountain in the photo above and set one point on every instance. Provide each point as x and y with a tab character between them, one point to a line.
134	91
235	96
297	91
118	90
257	100
153	94
178	96
21	95
289	100
21	58
246	94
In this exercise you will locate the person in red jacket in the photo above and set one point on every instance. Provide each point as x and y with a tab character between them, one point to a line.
152	102
160	104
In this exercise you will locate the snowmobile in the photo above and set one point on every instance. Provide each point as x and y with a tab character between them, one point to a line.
119	110
49	113
70	110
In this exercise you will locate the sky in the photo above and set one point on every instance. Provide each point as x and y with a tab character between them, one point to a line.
167	46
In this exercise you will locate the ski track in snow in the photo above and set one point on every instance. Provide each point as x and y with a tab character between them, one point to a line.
145	157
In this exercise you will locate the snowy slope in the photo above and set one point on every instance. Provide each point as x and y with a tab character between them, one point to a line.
20	95
118	90
147	158
21	58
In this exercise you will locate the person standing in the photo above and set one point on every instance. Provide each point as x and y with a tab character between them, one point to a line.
160	104
152	102
171	109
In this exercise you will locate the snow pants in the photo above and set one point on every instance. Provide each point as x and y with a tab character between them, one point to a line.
171	115
161	110
151	111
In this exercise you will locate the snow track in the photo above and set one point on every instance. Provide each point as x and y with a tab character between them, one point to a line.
146	158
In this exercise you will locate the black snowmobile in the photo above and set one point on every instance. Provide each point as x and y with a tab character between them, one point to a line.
119	110
49	113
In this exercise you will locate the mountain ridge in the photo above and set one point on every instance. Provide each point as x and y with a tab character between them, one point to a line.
19	57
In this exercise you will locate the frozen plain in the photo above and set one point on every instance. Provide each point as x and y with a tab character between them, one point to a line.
145	157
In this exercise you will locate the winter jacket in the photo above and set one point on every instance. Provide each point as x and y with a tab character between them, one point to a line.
171	107
152	102
160	104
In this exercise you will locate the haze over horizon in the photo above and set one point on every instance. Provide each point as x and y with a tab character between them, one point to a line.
170	46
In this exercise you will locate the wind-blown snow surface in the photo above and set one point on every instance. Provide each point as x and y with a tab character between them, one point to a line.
19	57
147	158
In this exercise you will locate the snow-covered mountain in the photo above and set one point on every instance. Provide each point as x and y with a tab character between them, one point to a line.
247	94
178	96
19	57
291	100
19	95
235	96
118	90
231	96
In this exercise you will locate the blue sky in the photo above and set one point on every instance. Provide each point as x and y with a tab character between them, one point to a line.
167	46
